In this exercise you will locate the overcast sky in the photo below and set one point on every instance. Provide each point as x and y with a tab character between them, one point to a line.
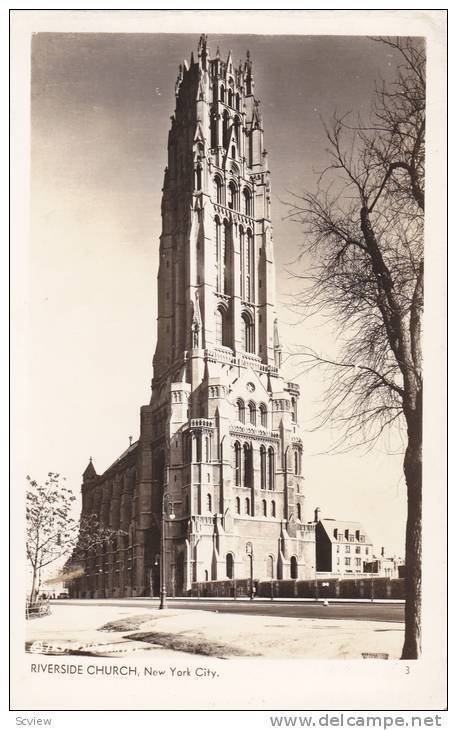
101	107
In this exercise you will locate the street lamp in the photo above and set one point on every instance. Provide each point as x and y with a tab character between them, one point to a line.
163	577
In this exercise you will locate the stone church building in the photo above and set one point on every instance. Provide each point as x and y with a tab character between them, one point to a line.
218	463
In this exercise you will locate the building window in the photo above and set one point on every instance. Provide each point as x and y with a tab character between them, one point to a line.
252	413
294	410
357	549
247	202
237	102
347	561
263	467
208	503
247	506
366	551
337	548
237	464
218	253
271	468
247	471
225	124
219	189
232	192
358	562
226	259
362	538
296	462
347	549
229	566
238	506
248	266
233	151
270	567
230	97
241	412
247	332
263	415
273	509
298	511
293	568
264	507
223	94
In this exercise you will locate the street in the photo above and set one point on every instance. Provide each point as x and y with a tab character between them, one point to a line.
353	611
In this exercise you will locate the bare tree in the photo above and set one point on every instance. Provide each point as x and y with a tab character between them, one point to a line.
364	251
51	531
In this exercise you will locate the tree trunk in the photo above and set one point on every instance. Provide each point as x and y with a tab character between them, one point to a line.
33	591
412	467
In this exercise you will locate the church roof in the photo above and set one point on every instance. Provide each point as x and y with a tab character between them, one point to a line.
125	453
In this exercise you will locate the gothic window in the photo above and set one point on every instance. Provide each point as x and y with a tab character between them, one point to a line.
263	467
217	252
223	94
296	462
252	413
232	195
233	151
247	466
247	506
298	511
219	327
215	92
271	468
218	184
247	332
263	415
227	258
213	130
273	509
225	126
293	568
247	201
238	505
237	466
237	102
236	126
264	507
208	503
198	177
206	575
240	407
229	565
248	260
230	97
270	567
198	443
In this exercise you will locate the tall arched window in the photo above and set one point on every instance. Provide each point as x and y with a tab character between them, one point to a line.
271	468
223	93
232	196
230	97
263	415
264	507
227	259
209	503
219	327
242	259
236	125
237	102
252	413
247	262
247	506
293	568
219	188
225	124
218	252
247	201
296	462
247	332
237	464
229	566
263	467
298	511
273	509
270	567
247	466
241	411
238	505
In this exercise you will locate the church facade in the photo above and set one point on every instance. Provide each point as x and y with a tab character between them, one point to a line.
217	469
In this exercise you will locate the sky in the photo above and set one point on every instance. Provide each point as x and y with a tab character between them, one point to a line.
100	114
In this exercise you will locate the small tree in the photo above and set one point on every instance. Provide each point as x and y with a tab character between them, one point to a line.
52	533
364	248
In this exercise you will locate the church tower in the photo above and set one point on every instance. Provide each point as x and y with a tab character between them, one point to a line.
219	443
214	483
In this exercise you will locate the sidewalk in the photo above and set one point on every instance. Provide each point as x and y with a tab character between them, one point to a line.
143	630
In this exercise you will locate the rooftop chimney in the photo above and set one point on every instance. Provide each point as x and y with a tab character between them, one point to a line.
317	514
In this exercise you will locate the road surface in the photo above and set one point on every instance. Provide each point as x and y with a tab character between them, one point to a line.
353	610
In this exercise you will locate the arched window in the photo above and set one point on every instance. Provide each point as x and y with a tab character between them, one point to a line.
241	412
271	468
223	94
229	566
273	509
230	97
218	251
226	274
247	506
247	332
236	125
198	443
270	567
238	505
237	465
247	466
252	413
263	467
237	102
232	195
298	511
209	503
198	177
247	201
225	124
293	568
233	151
263	415
219	188
294	410
219	327
248	265
296	462
206	575
264	507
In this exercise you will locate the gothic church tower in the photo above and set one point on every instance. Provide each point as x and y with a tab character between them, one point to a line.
219	443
